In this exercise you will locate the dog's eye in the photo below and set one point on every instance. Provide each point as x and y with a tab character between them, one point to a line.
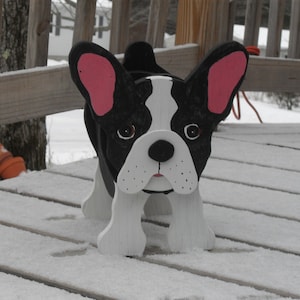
192	131
126	132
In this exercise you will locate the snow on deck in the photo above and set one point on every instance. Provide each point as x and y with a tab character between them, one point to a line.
251	192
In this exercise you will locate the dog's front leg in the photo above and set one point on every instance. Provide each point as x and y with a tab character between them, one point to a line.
98	204
188	228
124	234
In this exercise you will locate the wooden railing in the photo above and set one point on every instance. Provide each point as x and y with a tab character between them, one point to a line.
42	91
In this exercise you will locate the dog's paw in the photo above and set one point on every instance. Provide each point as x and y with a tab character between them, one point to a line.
118	240
201	238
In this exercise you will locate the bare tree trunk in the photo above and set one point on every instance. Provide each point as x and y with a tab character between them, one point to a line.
26	139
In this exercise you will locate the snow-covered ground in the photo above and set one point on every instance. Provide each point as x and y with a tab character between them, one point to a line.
68	140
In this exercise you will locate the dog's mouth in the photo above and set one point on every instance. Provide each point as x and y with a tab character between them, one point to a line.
154	189
158	192
158	175
143	174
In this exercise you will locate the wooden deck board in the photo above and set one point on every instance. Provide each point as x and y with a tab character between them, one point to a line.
252	204
254	199
100	276
25	289
49	186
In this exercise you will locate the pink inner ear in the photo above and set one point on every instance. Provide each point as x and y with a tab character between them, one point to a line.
98	77
222	79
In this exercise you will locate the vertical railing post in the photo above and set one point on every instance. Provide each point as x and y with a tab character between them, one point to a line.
275	24
252	22
204	22
294	44
38	33
119	34
37	55
157	22
84	21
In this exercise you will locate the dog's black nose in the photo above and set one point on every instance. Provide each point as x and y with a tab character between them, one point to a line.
161	151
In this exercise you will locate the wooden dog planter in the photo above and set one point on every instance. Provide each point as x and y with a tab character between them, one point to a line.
152	133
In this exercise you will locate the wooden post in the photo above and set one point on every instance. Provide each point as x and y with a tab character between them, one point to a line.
38	33
275	24
294	44
252	22
157	22
84	21
37	55
204	22
119	33
231	20
1	17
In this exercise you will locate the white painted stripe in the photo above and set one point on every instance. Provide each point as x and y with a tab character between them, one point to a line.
160	103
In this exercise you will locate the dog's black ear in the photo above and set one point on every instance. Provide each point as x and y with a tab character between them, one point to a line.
139	60
101	79
214	83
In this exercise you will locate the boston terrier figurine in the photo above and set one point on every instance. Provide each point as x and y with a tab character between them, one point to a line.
152	134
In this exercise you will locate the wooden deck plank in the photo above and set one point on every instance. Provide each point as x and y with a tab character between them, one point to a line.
255	199
71	190
284	241
25	289
252	175
264	269
52	220
230	223
84	169
251	202
251	228
87	272
220	192
68	222
258	154
255	229
49	186
281	135
48	218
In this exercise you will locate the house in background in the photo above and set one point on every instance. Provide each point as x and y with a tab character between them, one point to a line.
62	23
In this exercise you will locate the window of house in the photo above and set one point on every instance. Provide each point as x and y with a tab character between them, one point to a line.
58	24
98	24
55	23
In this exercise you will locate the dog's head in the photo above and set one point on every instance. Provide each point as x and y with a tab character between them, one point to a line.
153	130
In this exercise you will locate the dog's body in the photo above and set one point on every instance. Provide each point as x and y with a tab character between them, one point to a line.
152	133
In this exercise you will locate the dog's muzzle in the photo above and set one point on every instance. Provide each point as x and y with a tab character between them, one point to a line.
159	161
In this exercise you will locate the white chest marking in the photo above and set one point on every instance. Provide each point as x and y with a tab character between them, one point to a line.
160	103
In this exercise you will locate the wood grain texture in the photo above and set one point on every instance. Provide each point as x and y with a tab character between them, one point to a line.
46	90
204	22
157	22
272	75
119	33
275	25
294	44
38	33
252	22
84	20
36	92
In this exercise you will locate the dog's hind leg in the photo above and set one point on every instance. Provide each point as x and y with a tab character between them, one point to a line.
98	204
124	234
188	228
